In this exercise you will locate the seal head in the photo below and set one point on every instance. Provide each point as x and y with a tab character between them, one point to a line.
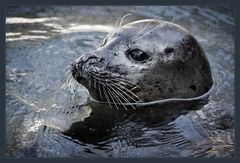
145	61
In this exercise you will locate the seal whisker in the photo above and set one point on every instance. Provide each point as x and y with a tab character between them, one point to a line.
103	85
126	81
116	24
106	93
106	96
140	31
114	31
100	92
110	86
94	84
147	32
120	24
117	87
117	79
124	98
89	76
115	93
129	91
112	97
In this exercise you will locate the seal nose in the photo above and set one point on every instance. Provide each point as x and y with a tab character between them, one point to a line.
89	59
92	59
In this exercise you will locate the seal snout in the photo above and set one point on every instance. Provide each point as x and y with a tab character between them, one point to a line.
81	66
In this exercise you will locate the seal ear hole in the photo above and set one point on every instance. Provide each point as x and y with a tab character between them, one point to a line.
168	50
193	87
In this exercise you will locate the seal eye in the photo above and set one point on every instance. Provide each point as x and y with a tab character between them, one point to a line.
137	55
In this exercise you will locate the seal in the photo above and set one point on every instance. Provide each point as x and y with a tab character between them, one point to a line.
145	61
156	70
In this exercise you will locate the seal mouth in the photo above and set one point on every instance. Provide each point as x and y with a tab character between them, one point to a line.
76	70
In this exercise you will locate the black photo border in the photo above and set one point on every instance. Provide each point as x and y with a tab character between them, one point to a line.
5	3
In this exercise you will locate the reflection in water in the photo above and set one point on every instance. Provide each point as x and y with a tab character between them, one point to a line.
45	109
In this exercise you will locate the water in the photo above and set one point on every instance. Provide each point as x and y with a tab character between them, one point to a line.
40	106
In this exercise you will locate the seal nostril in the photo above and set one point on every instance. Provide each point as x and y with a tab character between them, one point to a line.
91	59
100	59
193	87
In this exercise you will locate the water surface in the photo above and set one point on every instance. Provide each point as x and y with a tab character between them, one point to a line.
41	42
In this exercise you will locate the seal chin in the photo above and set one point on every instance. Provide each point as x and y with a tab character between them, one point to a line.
77	76
75	71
